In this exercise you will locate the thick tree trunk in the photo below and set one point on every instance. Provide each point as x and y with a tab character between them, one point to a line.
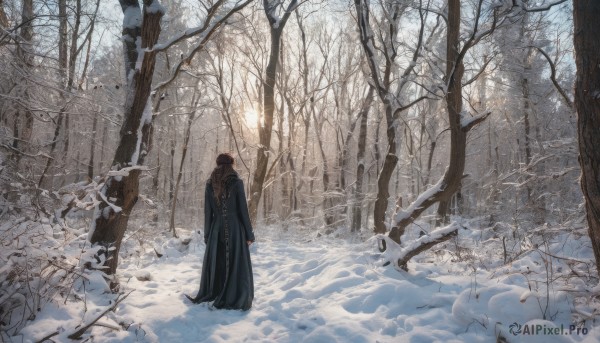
120	192
587	102
383	182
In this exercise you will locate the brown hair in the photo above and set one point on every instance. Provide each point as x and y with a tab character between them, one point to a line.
224	158
221	175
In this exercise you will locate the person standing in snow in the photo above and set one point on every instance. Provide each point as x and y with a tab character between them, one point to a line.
227	270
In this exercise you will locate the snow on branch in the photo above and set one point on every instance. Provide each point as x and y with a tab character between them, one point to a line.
86	325
132	17
125	171
205	32
542	8
418	203
155	7
400	255
114	207
366	39
276	22
468	122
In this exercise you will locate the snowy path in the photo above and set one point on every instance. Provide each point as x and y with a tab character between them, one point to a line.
320	290
310	292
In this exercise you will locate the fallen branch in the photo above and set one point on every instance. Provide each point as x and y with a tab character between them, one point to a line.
48	337
402	254
427	243
77	334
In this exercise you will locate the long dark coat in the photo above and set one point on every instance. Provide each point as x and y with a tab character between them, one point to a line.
227	269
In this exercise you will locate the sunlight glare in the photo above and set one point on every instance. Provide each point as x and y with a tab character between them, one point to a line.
251	118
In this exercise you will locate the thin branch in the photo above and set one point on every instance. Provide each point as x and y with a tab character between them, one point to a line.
424	247
77	334
189	33
212	29
553	77
476	121
411	104
476	76
544	8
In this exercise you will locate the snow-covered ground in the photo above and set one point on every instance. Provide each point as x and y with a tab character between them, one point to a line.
331	289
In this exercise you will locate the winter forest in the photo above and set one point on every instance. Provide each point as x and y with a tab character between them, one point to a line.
415	170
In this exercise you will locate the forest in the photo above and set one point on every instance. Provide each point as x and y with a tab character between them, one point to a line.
403	142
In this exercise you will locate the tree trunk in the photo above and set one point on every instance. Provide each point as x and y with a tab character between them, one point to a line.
172	144
328	213
450	182
73	49
3	18
67	62
383	182
264	131
526	121
93	148
344	160
360	157
105	129
119	193
184	150
23	121
587	102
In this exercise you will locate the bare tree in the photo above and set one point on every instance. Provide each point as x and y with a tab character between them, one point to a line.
191	116
120	190
23	118
68	56
276	26
389	91
460	124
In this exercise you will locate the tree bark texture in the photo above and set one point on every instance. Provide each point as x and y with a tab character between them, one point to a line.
587	103
120	193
